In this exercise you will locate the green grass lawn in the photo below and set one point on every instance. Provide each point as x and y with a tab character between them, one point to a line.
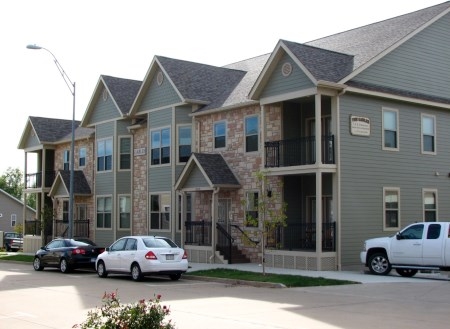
287	280
223	273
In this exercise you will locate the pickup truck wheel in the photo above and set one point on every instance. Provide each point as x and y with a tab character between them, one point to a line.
406	272
379	264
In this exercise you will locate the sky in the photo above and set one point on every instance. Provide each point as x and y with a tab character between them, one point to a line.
120	38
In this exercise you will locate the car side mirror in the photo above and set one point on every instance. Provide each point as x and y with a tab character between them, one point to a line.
399	236
107	249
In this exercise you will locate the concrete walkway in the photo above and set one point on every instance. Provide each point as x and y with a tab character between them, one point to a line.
358	275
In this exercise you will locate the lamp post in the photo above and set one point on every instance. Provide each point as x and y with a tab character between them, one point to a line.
71	86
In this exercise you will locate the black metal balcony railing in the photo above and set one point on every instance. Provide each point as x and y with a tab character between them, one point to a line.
298	151
302	236
80	228
198	233
35	180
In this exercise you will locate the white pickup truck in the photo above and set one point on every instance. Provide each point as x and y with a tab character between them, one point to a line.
419	246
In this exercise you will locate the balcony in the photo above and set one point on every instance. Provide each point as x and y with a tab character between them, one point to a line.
35	180
298	152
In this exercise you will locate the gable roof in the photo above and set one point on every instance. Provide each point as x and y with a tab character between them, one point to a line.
14	199
214	169
339	57
80	186
53	131
122	92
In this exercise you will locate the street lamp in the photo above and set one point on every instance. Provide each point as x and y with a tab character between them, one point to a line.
71	86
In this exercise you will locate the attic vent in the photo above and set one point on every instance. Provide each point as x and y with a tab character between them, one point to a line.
160	78
286	69
105	94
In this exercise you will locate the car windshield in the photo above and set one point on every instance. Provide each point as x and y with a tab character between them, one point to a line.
159	243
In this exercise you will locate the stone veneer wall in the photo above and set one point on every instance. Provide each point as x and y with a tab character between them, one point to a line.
244	165
140	181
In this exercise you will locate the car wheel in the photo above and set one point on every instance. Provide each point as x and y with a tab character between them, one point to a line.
175	277
406	272
101	270
136	273
379	264
37	265
64	266
8	248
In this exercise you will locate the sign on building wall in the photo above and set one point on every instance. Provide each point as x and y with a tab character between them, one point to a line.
139	151
359	126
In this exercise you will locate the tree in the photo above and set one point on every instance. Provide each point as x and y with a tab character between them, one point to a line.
270	211
12	182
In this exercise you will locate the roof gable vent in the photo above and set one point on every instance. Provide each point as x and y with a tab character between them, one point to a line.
286	69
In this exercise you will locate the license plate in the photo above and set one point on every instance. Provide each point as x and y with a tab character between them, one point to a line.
169	257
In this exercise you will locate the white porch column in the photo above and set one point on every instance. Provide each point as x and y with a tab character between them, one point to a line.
318	129
318	137
214	213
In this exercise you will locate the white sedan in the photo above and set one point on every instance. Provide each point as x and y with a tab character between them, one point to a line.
141	256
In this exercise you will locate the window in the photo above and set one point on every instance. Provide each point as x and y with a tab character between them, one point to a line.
184	143
428	134
65	211
220	134
125	153
391	208
82	157
66	160
430	205
390	129
159	211
434	231
251	209
124	212
414	232
251	134
13	220
104	155
104	209
188	208
160	146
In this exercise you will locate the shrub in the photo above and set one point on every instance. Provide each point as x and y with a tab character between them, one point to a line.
148	314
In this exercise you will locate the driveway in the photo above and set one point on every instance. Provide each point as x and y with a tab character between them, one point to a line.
49	299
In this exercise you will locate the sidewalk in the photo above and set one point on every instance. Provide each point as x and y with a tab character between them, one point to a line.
362	275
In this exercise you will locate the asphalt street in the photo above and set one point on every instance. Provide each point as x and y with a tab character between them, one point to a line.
50	299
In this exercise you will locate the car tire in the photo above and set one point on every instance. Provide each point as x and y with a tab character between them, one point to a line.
136	273
379	264
8	248
101	270
406	272
64	266
175	277
37	264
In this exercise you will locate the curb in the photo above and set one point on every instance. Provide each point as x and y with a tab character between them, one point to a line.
234	282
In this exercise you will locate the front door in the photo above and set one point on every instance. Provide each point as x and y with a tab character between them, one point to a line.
223	212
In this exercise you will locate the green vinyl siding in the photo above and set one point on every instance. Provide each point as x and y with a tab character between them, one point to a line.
196	179
182	115
105	110
158	96
366	168
421	64
279	84
159	178
160	118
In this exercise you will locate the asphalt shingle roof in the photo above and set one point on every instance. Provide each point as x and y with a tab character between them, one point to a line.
49	130
80	186
217	169
123	91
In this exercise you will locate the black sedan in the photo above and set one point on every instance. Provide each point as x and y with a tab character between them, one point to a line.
67	254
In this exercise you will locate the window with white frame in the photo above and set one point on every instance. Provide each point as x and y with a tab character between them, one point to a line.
104	212
391	208
184	143
390	129
220	134
428	134
82	157
429	205
104	154
251	209
125	153
160	142
160	211
188	208
66	160
124	212
251	133
13	220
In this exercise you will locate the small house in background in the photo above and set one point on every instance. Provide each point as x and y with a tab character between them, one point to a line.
12	212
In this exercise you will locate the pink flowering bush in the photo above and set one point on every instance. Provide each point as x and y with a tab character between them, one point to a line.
148	314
